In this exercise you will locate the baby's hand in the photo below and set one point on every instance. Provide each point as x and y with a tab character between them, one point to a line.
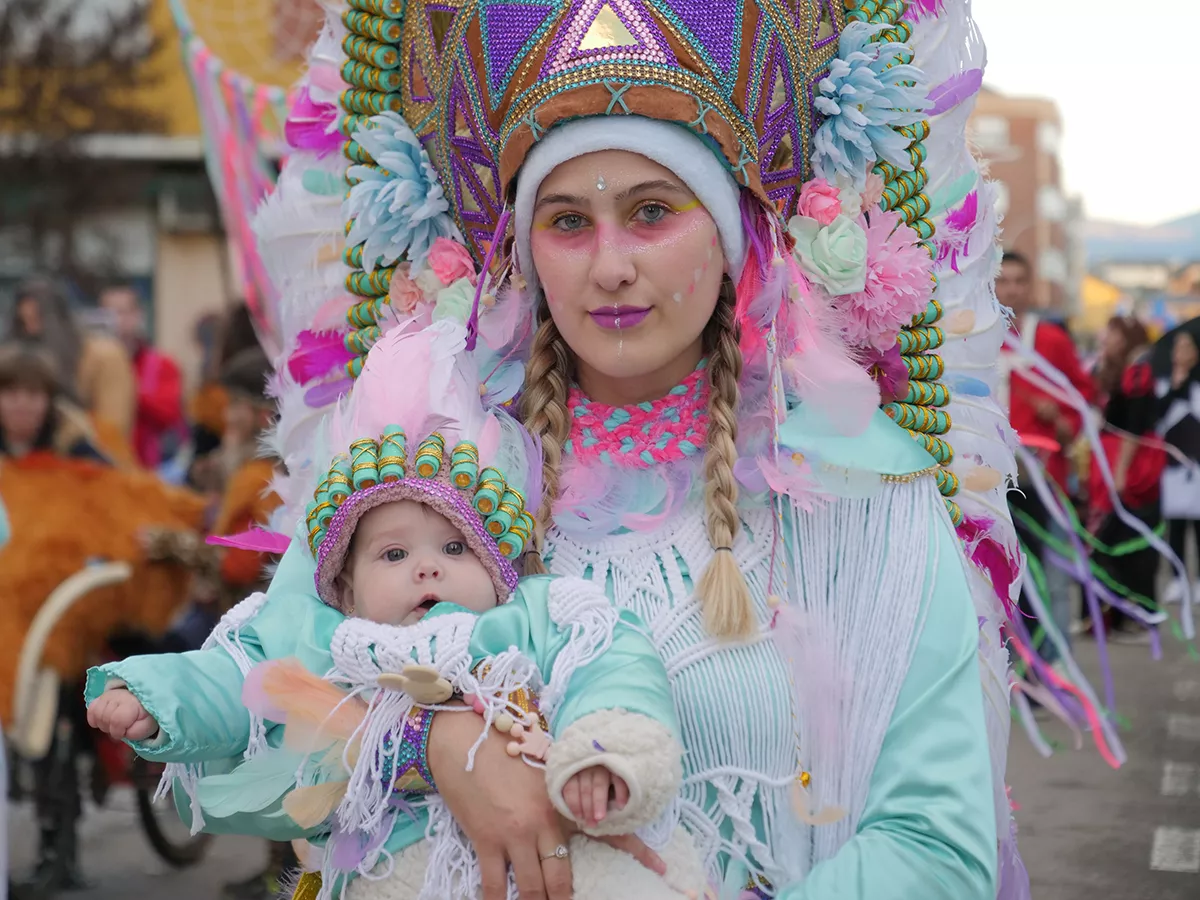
120	715
587	794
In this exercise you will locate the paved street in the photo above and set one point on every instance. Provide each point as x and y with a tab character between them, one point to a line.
1090	832
1087	832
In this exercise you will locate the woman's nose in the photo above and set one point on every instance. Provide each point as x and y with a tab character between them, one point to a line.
612	266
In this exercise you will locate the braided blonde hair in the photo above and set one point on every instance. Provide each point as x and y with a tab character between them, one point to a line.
546	416
722	589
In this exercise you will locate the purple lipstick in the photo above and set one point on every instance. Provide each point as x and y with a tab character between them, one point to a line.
619	317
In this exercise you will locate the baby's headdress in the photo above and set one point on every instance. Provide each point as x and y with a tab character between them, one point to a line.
416	427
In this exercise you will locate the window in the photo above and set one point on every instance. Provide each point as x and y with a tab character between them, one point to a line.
990	133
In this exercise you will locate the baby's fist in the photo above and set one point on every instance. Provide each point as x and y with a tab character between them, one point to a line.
120	715
588	793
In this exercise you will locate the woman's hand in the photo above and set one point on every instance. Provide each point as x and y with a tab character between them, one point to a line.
503	808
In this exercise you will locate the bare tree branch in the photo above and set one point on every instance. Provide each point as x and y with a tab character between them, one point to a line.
67	74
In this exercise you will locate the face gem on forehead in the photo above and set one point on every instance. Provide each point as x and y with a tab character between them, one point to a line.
601	184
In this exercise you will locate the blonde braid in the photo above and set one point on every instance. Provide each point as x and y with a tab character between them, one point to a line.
723	592
545	414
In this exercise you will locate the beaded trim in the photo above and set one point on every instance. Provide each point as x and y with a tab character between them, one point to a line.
672	428
921	412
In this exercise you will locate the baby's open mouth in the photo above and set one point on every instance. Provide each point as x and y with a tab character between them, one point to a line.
428	602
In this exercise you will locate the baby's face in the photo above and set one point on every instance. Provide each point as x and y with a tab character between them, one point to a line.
406	557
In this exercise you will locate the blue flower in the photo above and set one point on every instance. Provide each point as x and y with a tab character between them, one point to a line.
398	208
865	97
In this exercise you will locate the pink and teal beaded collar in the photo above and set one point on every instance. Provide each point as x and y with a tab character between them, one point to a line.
670	429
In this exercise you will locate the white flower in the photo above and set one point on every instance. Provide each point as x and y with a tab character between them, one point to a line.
835	257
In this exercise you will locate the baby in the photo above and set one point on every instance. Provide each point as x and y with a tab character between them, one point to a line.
414	533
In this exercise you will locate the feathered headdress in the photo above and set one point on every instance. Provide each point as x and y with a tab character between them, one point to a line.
416	428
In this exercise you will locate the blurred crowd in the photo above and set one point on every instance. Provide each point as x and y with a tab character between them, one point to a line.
1142	412
104	457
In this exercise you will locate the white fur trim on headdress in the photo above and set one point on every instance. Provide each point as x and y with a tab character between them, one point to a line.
666	143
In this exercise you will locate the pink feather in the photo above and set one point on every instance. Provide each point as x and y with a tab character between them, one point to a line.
317	713
257	539
821	370
317	354
331	315
489	439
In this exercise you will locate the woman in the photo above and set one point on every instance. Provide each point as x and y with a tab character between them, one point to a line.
96	371
69	506
711	457
1131	413
34	415
1179	426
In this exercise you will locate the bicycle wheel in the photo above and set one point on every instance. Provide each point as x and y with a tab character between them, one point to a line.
166	832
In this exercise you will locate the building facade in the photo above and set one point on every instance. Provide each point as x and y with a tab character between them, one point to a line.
1020	138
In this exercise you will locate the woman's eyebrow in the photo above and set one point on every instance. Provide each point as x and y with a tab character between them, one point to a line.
644	187
567	199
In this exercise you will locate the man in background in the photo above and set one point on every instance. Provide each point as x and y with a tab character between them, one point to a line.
1054	426
158	419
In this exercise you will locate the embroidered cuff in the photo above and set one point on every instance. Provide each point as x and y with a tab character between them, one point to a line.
411	760
637	749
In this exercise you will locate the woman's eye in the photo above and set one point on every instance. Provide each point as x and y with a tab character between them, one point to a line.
652	213
570	222
454	548
396	555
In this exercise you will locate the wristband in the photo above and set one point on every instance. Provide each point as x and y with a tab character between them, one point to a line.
410	764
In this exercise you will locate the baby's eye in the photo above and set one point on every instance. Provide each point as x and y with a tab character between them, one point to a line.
570	222
454	548
652	213
395	555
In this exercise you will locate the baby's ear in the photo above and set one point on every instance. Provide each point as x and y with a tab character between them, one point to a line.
344	585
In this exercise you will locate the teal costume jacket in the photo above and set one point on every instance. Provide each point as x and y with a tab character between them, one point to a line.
928	829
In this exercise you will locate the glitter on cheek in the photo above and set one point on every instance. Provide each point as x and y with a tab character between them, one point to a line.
677	297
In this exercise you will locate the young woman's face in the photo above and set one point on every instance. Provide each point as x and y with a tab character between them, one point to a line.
29	314
1184	352
404	559
631	265
23	412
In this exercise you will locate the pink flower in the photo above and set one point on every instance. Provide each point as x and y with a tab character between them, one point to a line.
873	192
898	284
450	261
404	293
819	200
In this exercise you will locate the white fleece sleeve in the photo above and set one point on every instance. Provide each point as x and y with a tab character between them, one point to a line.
637	749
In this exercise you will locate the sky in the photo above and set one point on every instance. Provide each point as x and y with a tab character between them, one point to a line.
1128	88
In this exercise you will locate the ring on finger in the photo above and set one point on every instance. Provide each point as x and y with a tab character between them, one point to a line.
559	852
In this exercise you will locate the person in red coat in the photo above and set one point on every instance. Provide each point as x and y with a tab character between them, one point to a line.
159	421
1041	421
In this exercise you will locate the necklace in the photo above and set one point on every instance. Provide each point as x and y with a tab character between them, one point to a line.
672	428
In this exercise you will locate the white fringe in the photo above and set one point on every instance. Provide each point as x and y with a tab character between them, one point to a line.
228	636
585	610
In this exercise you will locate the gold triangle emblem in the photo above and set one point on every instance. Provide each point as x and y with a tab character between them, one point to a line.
607	30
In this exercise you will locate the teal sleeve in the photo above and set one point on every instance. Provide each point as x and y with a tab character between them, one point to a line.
196	697
929	827
628	675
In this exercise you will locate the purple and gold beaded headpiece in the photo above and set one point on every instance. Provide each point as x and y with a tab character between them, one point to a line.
480	81
433	442
788	92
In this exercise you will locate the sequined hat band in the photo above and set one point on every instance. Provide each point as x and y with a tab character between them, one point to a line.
670	145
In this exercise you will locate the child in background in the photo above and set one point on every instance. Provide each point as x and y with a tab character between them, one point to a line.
414	526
